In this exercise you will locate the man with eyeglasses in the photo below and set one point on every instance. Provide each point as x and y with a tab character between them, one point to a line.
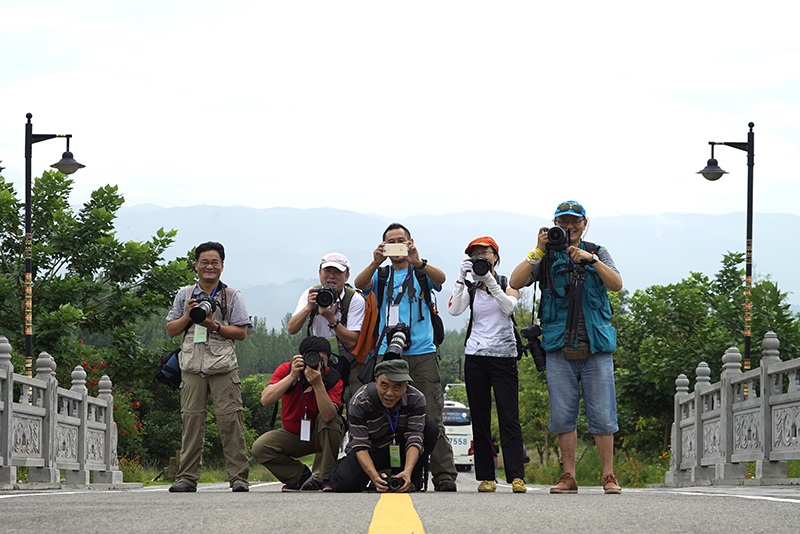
577	336
211	317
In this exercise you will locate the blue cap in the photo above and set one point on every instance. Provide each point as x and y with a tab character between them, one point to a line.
570	207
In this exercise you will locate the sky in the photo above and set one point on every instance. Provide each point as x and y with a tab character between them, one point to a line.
405	108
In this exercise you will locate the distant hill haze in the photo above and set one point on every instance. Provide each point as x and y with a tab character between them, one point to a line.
273	254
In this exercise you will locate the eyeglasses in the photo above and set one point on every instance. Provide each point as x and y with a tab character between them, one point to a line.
212	263
575	223
571	206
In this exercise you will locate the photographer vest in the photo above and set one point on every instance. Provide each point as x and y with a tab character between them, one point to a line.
215	355
595	305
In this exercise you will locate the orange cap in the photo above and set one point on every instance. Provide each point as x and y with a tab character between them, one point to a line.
484	241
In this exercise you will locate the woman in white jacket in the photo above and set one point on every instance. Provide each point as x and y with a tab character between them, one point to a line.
490	361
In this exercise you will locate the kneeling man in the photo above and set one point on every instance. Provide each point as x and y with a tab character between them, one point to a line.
311	394
388	434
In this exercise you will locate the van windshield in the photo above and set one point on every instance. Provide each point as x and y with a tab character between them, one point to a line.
456	416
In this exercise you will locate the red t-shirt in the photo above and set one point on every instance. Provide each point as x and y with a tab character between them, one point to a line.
296	403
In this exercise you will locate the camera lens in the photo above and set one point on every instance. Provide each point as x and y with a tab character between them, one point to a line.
558	238
395	483
199	313
326	297
481	266
396	345
312	359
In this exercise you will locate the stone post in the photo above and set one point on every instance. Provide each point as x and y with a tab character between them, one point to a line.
80	476
112	474
673	476
770	355
8	472
728	472
700	475
49	474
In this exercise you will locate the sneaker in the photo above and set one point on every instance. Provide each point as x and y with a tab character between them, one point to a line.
297	486
517	486
240	487
610	484
487	486
326	486
182	487
565	484
446	485
312	484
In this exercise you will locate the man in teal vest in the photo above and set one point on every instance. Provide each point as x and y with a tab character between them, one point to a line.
574	276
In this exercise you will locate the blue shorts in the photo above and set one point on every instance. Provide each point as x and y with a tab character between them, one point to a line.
595	377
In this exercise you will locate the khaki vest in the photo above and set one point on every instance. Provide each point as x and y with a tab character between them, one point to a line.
217	355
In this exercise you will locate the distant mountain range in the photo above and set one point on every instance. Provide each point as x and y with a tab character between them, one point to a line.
273	254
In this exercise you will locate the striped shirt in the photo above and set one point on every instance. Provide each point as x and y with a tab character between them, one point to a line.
370	427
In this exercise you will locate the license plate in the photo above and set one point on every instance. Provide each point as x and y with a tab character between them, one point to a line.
458	441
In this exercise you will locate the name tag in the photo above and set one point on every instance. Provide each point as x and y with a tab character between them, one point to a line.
200	334
394	455
305	430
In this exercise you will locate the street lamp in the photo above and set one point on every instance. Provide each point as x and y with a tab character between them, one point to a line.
66	165
713	172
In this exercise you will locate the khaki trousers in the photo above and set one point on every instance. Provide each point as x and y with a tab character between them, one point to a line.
278	450
225	390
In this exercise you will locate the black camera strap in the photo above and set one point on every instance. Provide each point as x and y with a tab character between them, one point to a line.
575	306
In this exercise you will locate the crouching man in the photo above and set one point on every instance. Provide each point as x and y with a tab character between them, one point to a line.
390	438
311	394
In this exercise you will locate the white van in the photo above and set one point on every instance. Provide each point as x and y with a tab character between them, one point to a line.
458	427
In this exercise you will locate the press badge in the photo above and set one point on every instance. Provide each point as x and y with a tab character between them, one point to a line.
305	430
200	334
394	455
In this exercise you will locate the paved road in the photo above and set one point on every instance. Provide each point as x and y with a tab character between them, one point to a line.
773	509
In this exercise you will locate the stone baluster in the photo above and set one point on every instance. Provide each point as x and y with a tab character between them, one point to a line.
112	474
80	476
731	367
673	476
47	399
770	355
8	472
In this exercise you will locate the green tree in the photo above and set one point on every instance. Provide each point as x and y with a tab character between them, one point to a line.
667	330
89	287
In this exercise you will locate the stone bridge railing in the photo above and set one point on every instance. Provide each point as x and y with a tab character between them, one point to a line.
751	416
50	429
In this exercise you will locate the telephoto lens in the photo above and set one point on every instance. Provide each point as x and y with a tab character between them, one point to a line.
481	266
399	340
204	307
326	296
312	359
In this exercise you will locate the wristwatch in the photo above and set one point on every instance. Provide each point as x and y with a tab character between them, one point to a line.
333	326
595	259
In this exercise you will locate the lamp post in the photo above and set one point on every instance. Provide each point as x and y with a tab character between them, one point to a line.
66	165
713	172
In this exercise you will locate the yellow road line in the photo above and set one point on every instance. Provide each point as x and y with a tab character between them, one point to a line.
395	514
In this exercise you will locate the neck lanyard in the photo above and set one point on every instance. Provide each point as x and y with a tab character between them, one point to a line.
403	287
393	427
303	396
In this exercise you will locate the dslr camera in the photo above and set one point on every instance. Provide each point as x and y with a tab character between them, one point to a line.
312	359
399	337
205	306
533	345
326	296
395	483
481	266
557	238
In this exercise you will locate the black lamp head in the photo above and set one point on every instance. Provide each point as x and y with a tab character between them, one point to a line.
712	171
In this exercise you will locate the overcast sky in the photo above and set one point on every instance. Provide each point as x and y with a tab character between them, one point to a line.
410	107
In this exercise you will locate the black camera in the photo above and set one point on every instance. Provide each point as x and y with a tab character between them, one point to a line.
534	345
557	238
312	359
399	337
481	266
395	483
326	296
205	306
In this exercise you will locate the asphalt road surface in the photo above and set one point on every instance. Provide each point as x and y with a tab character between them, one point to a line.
746	509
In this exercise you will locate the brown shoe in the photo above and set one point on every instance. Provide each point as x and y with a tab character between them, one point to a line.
610	484
565	484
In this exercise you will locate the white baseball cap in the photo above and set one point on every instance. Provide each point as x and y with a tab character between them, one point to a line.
334	259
